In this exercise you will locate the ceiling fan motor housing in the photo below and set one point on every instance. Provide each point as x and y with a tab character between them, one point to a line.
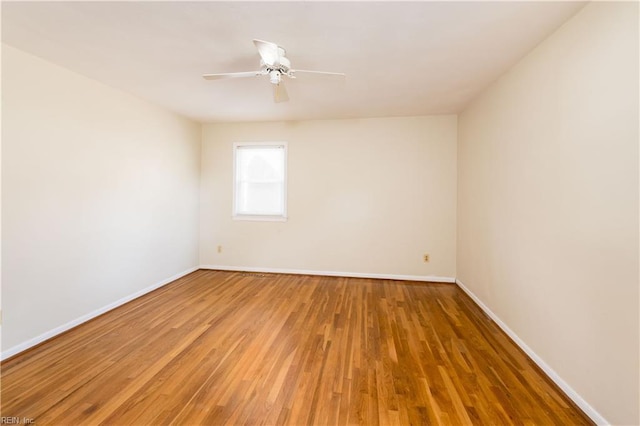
284	63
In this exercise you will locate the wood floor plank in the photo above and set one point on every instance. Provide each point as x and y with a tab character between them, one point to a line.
239	348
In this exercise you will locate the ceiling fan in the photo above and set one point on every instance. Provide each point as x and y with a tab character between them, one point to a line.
275	64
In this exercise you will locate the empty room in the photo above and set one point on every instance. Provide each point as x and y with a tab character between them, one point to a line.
297	213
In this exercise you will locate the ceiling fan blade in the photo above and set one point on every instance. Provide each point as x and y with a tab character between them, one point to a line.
231	75
280	93
319	73
269	52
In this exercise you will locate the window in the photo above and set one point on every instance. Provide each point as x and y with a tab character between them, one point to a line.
260	181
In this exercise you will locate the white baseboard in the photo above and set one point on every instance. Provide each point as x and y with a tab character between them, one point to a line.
568	390
425	278
61	329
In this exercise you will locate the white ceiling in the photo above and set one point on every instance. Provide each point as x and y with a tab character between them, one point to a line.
410	58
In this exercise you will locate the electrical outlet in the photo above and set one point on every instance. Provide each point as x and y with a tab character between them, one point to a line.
425	257
219	249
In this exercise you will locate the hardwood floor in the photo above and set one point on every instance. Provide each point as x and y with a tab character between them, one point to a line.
234	348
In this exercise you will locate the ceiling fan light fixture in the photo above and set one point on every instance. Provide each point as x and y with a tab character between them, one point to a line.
275	77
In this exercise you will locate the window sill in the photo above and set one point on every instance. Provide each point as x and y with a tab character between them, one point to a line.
260	218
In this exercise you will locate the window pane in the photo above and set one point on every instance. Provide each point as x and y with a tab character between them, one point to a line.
259	164
260	198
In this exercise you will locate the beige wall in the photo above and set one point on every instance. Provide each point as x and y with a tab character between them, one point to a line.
548	204
99	196
365	196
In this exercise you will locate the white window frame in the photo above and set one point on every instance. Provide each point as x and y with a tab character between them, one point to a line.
261	218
